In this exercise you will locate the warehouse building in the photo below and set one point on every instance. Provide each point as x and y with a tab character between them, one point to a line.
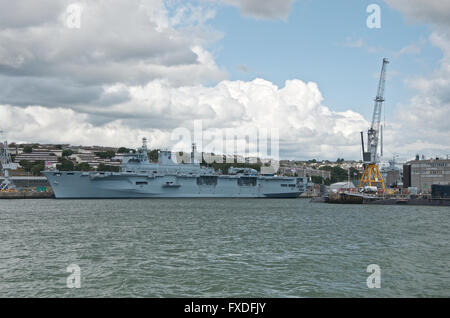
422	174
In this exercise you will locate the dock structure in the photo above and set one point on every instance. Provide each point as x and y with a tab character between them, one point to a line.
372	199
28	181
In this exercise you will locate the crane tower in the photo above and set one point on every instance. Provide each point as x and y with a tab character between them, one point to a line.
7	164
372	175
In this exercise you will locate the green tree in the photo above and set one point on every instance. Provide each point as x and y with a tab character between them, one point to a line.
66	165
355	174
105	154
37	168
67	153
153	155
26	165
337	173
34	167
103	167
125	150
84	166
317	179
27	149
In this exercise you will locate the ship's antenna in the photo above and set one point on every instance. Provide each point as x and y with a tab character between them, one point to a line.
194	148
144	151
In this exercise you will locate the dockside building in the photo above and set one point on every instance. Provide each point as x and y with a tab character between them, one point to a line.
422	174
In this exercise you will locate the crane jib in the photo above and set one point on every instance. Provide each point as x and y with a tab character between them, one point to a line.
371	175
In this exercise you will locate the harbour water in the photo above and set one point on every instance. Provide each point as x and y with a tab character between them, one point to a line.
221	248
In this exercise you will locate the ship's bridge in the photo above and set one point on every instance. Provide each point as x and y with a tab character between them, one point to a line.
167	163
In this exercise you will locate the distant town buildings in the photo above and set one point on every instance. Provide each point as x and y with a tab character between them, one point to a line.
301	171
43	154
94	161
312	168
51	154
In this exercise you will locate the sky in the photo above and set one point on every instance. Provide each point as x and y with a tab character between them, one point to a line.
129	69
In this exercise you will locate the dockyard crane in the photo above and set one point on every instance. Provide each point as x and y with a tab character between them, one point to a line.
7	164
372	175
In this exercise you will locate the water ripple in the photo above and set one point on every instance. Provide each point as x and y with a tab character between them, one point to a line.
221	248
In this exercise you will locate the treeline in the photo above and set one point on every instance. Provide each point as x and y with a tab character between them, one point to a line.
69	165
64	164
337	175
105	154
34	168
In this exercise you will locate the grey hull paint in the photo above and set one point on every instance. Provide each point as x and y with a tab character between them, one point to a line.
79	185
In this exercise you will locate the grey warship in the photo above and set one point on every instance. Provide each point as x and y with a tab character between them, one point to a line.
140	178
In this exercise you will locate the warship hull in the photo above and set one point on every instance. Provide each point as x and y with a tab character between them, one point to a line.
93	185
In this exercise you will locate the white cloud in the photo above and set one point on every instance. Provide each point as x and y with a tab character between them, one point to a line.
349	42
409	49
428	11
360	44
307	128
20	14
130	42
138	69
273	9
422	124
